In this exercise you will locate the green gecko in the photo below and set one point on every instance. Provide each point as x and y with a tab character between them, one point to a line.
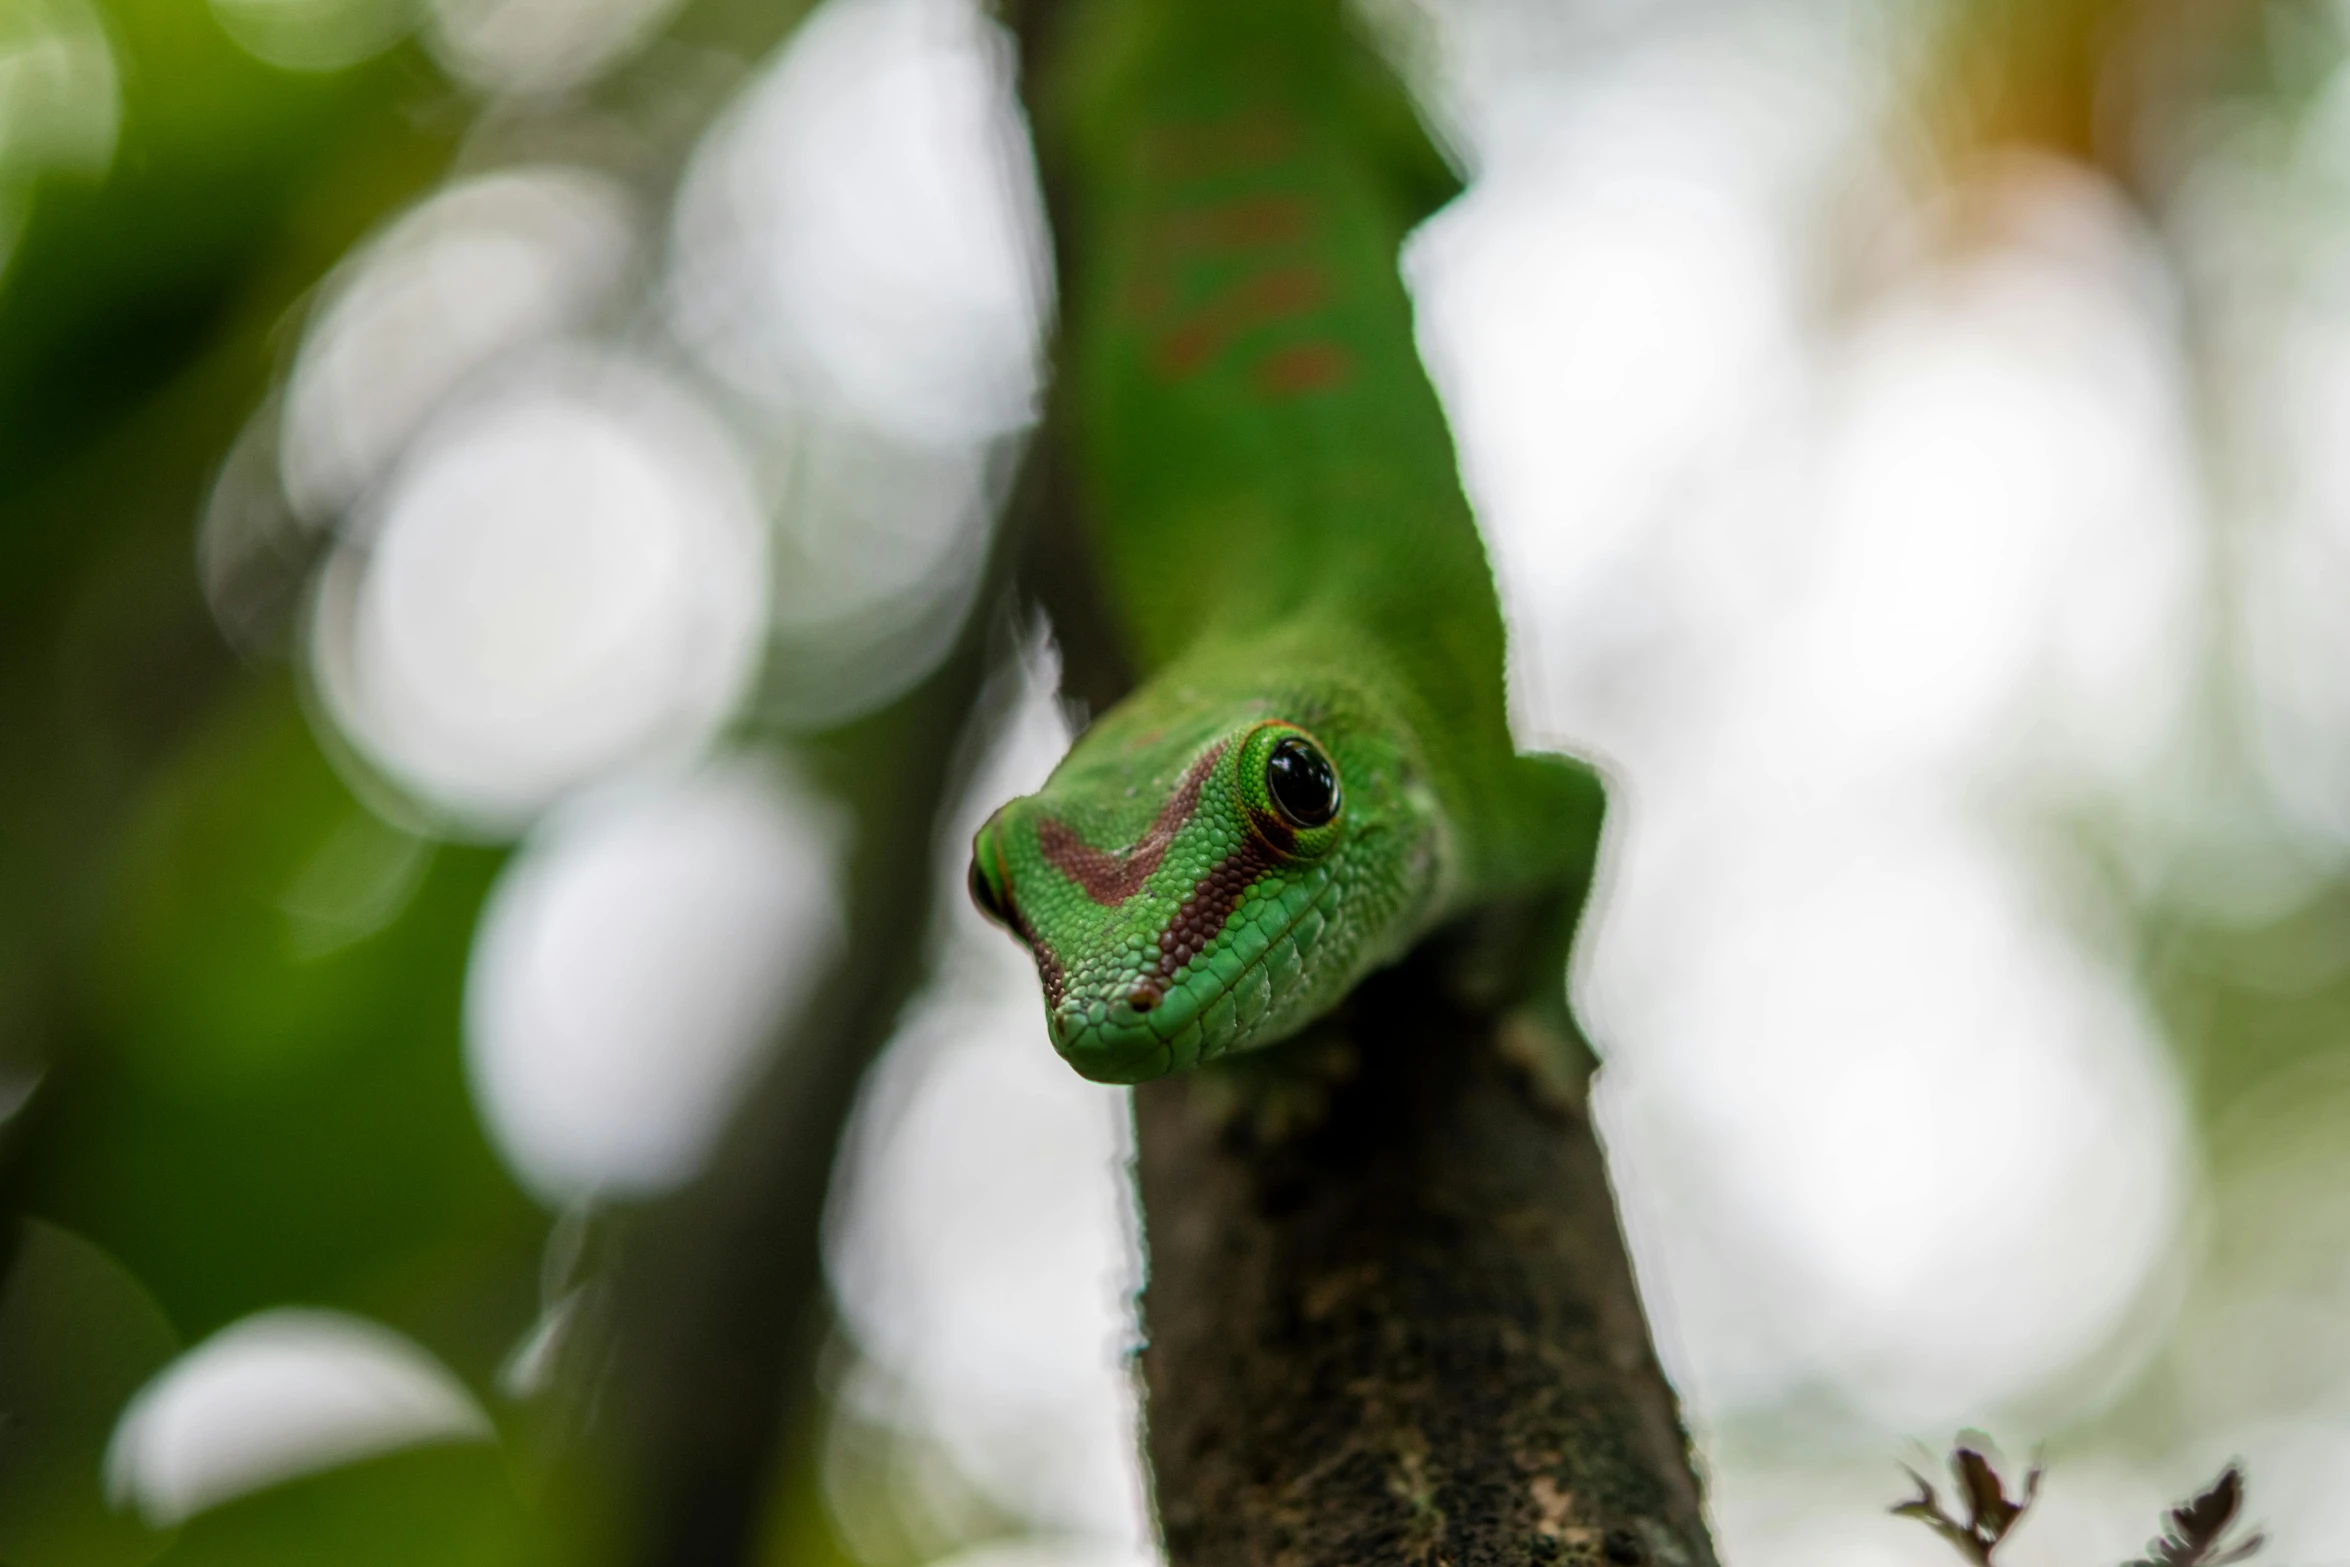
1317	770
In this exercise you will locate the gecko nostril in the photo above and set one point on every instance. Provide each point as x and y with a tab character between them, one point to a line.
991	898
1145	996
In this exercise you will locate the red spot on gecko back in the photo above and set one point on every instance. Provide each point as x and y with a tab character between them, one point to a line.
1245	223
1303	367
1218	147
1110	877
1250	302
1172	242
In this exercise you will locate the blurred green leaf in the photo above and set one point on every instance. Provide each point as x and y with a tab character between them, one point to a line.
269	1101
78	1336
236	949
429	1507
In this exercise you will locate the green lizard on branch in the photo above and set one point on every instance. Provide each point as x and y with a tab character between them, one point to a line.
1317	770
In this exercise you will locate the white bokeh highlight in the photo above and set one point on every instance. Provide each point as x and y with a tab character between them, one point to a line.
2277	253
532	48
982	1248
856	257
481	268
2009	546
1939	1121
2260	1367
60	102
1896	1131
275	1396
567	575
633	967
60	92
315	35
2091	1508
863	229
878	549
1888	1121
1611	313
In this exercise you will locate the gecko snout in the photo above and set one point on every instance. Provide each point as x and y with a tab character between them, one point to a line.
991	888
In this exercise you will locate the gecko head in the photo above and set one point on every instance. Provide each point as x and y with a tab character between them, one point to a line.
1191	890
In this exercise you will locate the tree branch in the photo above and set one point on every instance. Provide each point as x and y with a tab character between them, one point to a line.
1405	1331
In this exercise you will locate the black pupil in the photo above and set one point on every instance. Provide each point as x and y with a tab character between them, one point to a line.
1301	783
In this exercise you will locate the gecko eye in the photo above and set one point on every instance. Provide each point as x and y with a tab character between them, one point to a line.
1302	783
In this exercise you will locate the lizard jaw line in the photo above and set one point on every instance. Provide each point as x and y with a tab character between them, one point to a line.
1062	1045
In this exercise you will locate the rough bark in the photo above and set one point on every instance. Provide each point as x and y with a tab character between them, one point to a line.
1401	1328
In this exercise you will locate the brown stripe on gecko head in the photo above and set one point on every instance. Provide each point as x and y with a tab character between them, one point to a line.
1049	972
1111	877
1210	905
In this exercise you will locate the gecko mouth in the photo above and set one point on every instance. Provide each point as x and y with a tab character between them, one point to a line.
1128	1049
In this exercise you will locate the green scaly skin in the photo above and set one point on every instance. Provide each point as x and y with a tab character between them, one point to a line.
1285	544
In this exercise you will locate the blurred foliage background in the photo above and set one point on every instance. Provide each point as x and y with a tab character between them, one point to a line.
510	516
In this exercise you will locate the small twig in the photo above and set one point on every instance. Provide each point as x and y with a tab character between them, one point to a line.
2194	1533
1990	1512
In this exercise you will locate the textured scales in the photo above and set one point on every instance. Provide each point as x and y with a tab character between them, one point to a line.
1285	544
